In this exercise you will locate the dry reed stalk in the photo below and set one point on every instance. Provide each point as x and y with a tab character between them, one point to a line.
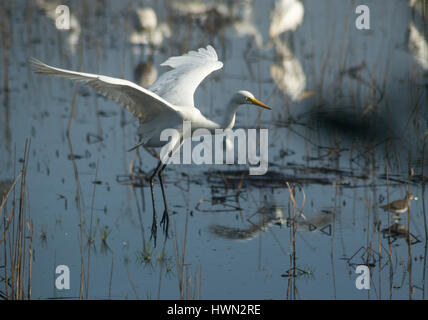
90	232
409	240
292	267
16	229
391	270
111	275
424	215
180	260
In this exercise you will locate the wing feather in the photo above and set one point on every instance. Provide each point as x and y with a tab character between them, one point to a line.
142	103
178	85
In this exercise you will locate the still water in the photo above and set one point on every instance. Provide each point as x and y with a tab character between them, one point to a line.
346	136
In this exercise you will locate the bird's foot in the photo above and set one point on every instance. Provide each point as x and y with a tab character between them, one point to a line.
154	231
165	222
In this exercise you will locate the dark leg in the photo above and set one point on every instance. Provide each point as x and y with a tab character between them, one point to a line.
154	223
165	218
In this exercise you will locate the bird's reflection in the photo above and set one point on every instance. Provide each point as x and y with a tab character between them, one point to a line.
416	40
270	216
421	6
147	30
243	25
288	73
73	33
202	9
145	74
287	15
215	17
399	231
210	16
418	46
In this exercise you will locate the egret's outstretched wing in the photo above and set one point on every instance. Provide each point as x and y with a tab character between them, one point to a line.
142	103
178	85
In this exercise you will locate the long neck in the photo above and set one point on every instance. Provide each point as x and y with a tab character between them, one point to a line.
230	115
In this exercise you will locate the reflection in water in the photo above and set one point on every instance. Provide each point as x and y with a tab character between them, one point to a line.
399	231
288	74
4	188
211	16
244	25
214	17
5	33
287	15
341	146
145	74
421	7
350	125
147	30
418	46
73	34
201	8
295	173
269	216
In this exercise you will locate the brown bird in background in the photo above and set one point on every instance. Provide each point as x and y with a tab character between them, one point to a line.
400	206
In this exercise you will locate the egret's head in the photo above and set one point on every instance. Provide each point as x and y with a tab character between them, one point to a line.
245	97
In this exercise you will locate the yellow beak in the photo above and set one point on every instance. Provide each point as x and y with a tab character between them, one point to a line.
259	103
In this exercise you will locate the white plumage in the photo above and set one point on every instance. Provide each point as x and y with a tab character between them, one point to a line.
179	85
418	46
287	15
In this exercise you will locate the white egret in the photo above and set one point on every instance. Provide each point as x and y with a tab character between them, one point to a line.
418	46
165	105
288	73
287	15
72	31
148	30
